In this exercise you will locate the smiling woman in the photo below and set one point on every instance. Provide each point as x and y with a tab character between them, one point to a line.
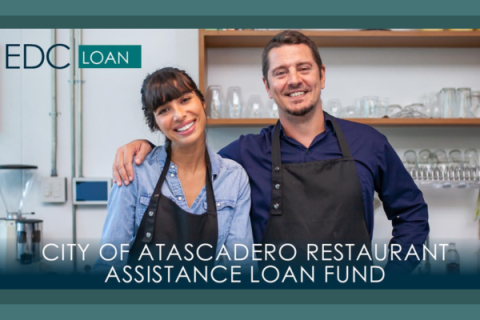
206	200
173	104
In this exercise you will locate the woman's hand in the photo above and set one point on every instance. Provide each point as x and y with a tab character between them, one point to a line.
122	166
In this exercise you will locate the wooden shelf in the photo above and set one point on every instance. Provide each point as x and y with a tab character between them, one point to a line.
368	39
364	38
381	122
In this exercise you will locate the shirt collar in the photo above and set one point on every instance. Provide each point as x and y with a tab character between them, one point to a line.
162	157
328	125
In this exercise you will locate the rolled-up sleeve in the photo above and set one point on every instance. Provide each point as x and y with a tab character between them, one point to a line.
240	231
404	205
119	228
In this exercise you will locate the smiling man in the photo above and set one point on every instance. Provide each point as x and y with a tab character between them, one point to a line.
313	176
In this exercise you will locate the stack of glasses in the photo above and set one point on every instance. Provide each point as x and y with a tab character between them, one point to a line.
233	106
442	170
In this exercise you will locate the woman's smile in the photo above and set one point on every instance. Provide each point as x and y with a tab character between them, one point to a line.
185	127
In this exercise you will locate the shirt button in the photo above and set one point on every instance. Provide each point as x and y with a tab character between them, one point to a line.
277	169
151	213
218	204
148	234
276	206
180	198
308	151
172	175
277	186
173	167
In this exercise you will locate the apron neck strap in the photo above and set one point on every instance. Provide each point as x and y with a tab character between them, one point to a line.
340	137
211	207
276	150
164	173
277	154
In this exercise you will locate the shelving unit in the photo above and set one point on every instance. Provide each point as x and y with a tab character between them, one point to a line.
382	122
367	39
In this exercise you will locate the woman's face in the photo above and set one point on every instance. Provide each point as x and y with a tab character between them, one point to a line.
182	120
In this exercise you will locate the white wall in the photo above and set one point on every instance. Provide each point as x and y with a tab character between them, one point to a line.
112	113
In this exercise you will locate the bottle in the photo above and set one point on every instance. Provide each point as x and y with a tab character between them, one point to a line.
478	261
452	260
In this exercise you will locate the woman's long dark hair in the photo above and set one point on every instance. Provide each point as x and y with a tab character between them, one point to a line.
163	86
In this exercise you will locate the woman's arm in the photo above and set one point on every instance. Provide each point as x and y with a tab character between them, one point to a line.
240	231
119	227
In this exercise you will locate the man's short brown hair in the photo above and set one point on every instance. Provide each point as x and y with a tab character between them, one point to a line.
289	37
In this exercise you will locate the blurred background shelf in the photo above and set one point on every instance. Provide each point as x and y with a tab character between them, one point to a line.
442	185
380	122
350	38
214	39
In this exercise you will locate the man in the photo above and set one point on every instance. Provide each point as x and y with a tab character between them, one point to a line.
312	176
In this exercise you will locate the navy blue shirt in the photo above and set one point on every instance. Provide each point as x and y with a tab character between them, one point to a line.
378	166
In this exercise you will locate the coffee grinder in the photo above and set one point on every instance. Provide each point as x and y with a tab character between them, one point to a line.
20	238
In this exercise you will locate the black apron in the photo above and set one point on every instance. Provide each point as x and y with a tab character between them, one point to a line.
317	202
164	222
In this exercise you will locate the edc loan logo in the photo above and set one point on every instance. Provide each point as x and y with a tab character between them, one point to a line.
89	56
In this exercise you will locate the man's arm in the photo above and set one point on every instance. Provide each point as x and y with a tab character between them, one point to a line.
232	152
404	206
122	169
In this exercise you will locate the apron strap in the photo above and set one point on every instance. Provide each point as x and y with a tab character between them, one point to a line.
276	203
153	205
157	194
341	138
211	203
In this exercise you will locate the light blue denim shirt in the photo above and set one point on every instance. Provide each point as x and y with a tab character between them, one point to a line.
127	204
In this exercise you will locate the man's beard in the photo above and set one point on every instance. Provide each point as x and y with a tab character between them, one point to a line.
302	112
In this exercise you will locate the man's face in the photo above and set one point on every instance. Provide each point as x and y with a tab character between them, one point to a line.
294	79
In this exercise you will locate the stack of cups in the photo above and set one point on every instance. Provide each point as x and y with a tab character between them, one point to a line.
455	103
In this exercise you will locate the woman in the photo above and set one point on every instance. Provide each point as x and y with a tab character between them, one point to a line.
184	193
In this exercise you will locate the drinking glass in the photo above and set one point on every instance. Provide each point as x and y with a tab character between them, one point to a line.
410	162
334	107
417	107
358	107
442	167
348	112
234	102
425	164
448	102
408	114
456	158
433	106
434	173
475	108
471	164
271	111
456	165
369	106
442	156
382	105
254	107
464	102
215	101
471	158
393	109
